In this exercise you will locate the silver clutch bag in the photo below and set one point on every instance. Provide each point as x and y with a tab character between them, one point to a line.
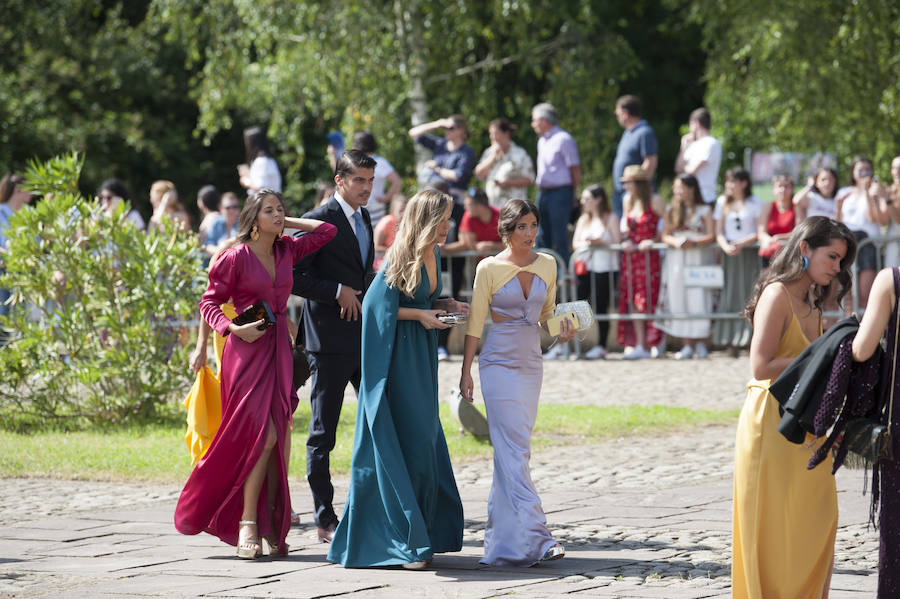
582	311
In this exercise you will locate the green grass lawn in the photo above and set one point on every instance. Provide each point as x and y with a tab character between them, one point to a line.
158	453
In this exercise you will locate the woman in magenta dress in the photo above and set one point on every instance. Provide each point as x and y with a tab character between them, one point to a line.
239	491
638	288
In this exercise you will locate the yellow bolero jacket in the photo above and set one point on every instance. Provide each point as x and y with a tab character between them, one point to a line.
492	274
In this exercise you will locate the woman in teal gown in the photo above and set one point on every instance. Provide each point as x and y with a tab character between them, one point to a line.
403	505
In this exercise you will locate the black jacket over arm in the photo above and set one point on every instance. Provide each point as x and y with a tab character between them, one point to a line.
316	279
802	384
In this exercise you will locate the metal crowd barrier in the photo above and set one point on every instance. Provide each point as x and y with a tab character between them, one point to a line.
567	283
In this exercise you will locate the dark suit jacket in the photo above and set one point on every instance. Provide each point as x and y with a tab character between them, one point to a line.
316	278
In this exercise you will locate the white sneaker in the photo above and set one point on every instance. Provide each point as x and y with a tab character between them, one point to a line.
443	354
702	352
686	353
557	352
638	353
628	349
598	352
657	352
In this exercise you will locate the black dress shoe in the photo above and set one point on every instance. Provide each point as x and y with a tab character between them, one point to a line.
326	534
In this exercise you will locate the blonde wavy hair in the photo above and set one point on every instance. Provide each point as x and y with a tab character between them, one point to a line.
425	211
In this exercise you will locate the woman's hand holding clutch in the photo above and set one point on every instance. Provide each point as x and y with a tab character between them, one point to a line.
430	320
567	330
248	332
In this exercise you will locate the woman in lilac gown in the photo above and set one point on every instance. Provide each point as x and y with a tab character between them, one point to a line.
517	289
239	489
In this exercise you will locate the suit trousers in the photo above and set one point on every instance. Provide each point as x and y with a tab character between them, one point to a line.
555	206
330	375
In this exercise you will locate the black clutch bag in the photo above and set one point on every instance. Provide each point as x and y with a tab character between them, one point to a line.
258	311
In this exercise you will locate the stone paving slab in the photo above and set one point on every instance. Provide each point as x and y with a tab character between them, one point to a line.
645	516
641	382
642	520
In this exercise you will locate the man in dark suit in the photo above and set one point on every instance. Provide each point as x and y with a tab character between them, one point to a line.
333	281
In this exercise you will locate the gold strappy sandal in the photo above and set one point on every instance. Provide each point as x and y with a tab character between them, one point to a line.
248	548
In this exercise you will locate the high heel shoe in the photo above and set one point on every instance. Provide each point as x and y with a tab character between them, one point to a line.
274	548
555	552
247	548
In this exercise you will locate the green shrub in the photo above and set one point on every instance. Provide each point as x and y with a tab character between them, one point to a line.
93	299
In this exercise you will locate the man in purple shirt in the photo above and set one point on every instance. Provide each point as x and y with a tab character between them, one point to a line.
558	179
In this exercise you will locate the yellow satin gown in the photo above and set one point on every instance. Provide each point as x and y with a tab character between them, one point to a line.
785	516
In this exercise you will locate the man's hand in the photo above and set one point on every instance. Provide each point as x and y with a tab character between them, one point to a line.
349	302
458	307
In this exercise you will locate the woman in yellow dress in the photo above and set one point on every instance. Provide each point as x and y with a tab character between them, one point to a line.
785	516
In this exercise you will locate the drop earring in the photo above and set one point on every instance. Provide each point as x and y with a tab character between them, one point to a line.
805	262
254	234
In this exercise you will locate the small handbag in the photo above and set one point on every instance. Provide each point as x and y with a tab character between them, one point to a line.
258	311
582	310
581	267
868	439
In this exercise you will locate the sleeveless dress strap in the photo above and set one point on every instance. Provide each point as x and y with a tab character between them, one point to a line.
790	301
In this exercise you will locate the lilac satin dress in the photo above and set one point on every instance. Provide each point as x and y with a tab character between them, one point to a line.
511	370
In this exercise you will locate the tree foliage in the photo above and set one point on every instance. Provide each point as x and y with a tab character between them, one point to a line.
162	88
99	77
308	67
91	299
817	75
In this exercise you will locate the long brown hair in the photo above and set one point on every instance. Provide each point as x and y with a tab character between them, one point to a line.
679	214
251	211
742	176
643	193
787	266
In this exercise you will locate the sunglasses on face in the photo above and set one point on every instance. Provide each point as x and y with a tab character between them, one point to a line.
235	207
865	172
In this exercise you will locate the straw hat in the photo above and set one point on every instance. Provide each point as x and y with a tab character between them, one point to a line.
634	172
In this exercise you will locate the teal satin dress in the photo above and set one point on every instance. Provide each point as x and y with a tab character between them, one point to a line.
403	505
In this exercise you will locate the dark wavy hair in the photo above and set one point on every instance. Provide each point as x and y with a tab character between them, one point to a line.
510	214
787	266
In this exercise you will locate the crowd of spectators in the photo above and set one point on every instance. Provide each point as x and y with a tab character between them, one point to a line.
617	263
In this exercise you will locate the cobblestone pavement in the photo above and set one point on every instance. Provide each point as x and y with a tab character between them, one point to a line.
718	383
641	516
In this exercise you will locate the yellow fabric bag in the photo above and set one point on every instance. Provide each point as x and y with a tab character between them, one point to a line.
204	413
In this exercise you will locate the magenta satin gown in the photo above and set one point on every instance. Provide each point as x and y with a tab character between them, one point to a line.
255	384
